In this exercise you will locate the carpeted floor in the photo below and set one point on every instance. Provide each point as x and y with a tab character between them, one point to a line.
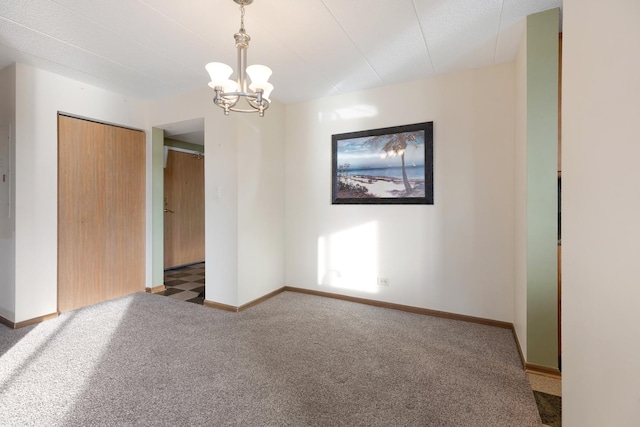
186	283
293	360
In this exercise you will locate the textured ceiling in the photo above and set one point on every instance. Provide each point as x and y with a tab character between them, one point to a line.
158	48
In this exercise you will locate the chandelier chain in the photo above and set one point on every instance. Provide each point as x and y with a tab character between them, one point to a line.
242	17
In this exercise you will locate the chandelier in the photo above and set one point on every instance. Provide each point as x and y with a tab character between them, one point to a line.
228	92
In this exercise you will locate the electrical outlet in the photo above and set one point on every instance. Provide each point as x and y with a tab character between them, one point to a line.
383	281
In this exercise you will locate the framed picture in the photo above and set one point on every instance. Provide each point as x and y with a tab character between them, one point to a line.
383	166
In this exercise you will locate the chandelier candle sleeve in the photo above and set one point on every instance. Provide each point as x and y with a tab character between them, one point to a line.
228	92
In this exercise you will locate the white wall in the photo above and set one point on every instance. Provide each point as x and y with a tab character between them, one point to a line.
520	283
40	95
220	175
7	192
260	203
601	211
244	196
456	255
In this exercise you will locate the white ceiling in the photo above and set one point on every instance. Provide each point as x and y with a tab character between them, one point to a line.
158	48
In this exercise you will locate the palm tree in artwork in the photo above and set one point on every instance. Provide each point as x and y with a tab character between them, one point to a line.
396	145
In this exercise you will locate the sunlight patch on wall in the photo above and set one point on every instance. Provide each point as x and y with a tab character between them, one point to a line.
349	259
354	112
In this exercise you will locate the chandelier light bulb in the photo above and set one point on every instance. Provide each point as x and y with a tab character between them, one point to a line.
219	73
259	74
229	86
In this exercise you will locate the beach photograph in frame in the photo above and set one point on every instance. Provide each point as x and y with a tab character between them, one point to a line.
383	166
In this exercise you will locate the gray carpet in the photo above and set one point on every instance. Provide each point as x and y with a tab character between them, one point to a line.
294	360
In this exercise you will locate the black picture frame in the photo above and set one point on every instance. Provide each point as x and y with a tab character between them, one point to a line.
387	166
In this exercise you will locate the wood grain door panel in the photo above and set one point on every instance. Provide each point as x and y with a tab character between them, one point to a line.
101	219
125	220
81	226
184	197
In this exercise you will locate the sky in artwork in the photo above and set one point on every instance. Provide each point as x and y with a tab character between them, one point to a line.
365	153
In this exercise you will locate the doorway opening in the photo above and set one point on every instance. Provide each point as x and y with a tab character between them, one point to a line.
184	211
186	283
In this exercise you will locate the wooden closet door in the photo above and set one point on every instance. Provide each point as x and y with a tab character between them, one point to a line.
125	213
184	215
101	218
